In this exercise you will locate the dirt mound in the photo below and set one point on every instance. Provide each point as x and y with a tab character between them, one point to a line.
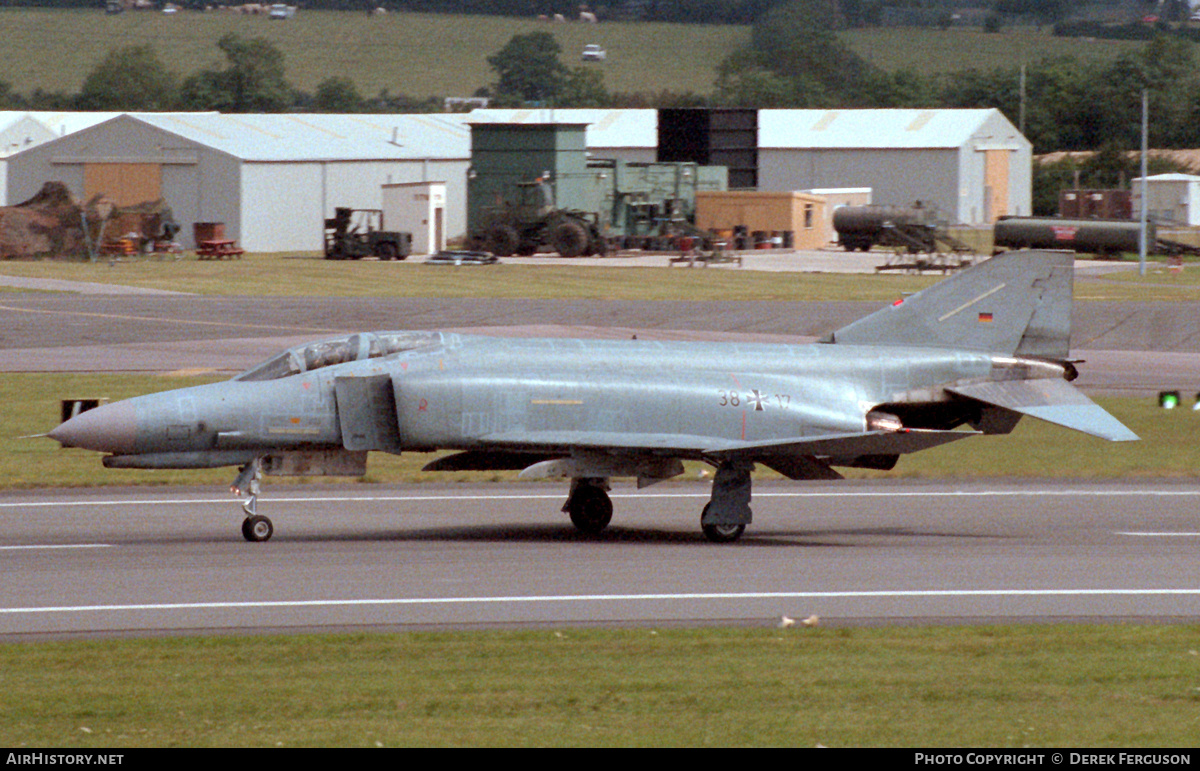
54	224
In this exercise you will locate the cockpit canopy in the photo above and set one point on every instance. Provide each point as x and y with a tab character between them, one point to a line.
313	356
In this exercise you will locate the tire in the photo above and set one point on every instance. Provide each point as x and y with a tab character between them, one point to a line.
502	240
570	239
590	510
257	529
388	251
720	533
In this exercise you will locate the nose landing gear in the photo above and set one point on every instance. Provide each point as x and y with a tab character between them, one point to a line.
255	527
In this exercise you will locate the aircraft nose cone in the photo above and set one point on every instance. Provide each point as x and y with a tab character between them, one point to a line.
111	428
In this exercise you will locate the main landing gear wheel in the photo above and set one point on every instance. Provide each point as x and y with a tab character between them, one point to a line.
590	509
720	533
257	528
723	533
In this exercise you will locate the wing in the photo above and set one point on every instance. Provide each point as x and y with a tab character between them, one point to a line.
542	453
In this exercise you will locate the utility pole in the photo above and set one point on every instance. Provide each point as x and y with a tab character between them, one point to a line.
1145	150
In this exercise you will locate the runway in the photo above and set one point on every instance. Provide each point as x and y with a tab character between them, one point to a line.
138	561
362	556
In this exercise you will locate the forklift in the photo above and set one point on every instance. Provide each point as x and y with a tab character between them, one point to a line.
356	233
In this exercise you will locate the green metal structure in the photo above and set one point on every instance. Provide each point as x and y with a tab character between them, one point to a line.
533	185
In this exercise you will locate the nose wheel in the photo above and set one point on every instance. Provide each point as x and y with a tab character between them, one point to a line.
255	527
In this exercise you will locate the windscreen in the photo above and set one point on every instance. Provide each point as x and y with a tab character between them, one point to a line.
326	353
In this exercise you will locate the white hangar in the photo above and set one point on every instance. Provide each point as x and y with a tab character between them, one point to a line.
20	130
271	179
973	165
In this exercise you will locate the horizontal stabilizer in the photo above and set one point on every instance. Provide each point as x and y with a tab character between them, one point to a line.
1051	400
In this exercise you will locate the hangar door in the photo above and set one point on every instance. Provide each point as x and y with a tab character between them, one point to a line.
125	184
995	183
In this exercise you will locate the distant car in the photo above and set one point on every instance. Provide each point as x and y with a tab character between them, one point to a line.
593	53
462	258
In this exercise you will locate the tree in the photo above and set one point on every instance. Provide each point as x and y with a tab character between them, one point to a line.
253	82
584	87
129	78
529	69
337	94
795	60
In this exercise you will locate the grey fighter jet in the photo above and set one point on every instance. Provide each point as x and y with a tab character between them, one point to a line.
970	355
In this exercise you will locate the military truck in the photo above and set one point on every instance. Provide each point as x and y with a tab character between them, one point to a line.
532	220
352	234
629	206
533	185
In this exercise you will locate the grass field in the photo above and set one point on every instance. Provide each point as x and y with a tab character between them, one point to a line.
1125	686
931	51
996	687
292	275
433	55
415	54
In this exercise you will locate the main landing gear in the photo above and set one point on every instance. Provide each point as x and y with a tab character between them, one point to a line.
723	519
727	513
255	527
588	505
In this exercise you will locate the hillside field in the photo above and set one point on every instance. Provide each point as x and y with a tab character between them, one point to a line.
440	55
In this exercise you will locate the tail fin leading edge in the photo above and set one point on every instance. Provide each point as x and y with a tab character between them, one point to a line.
1017	303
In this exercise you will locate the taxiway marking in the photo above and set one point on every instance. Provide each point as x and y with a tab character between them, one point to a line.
558	496
59	546
577	598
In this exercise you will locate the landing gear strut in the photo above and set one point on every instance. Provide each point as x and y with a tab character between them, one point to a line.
588	505
255	527
726	515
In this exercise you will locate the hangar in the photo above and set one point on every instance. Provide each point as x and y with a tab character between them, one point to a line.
973	165
20	130
271	179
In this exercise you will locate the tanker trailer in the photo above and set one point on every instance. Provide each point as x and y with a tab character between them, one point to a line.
1103	238
861	227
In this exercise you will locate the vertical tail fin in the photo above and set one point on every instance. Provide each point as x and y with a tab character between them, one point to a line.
1017	303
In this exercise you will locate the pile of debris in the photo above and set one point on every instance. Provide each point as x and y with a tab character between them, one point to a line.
54	224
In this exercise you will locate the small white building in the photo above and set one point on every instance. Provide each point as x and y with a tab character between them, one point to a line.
973	165
1171	199
418	208
272	180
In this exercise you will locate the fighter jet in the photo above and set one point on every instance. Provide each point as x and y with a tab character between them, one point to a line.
970	355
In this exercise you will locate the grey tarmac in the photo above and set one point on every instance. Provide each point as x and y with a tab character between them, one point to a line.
141	561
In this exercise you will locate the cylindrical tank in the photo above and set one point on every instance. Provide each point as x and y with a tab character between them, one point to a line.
1102	237
859	227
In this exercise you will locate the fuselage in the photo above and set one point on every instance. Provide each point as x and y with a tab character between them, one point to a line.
452	391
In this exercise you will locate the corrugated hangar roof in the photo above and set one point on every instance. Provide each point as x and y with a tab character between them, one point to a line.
59	123
862	129
605	128
319	137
